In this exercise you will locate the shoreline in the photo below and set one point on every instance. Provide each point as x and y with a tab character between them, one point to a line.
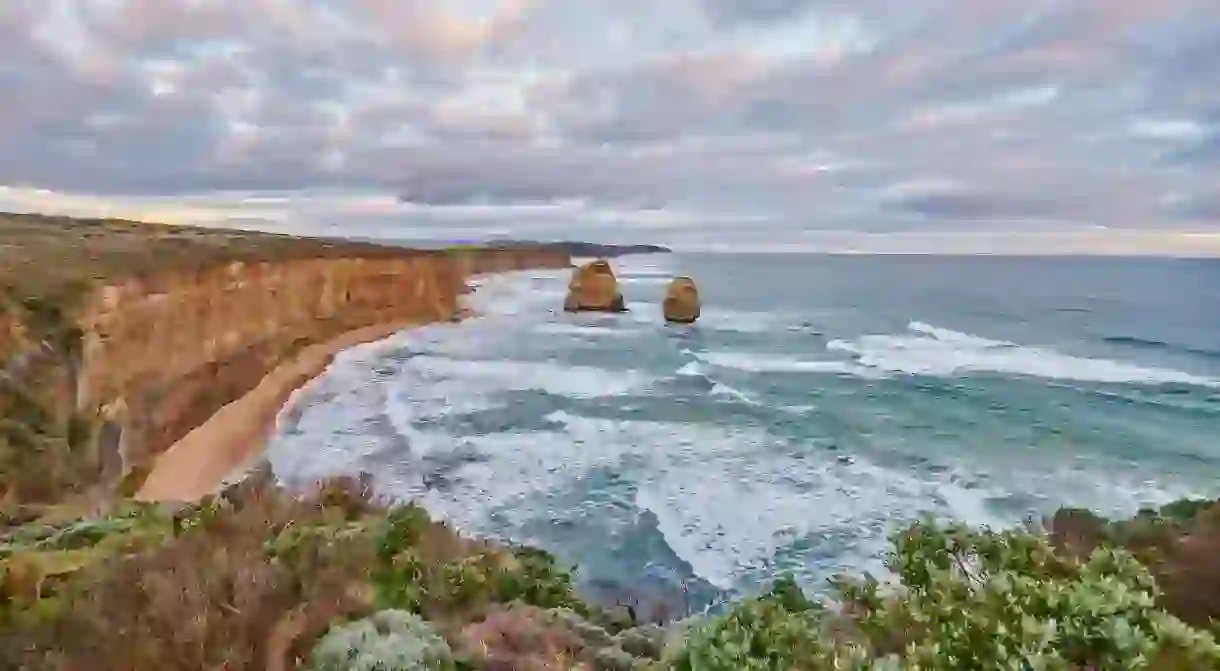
235	437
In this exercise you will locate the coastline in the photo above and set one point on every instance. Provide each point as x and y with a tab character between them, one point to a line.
273	577
235	437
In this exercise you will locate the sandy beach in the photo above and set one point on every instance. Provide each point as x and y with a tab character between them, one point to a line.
236	435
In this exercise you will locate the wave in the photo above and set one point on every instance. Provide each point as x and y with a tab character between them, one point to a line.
515	293
741	321
482	376
542	470
951	336
943	352
692	369
722	389
1142	343
659	280
757	363
585	330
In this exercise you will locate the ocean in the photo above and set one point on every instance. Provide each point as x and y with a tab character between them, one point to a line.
820	402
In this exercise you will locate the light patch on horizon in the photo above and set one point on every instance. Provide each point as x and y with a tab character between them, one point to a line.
1168	129
964	112
691	122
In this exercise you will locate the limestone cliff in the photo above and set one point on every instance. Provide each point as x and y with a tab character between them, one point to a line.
118	338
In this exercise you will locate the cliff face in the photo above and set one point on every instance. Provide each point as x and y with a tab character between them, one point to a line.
138	361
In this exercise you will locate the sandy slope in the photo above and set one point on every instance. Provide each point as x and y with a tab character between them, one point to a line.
235	436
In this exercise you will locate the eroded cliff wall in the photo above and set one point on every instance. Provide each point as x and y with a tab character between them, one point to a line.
140	359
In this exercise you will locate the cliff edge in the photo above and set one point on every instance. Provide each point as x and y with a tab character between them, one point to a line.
119	338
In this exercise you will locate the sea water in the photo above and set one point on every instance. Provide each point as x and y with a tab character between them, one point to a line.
818	403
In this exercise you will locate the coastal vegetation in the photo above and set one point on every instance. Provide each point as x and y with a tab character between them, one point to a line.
258	578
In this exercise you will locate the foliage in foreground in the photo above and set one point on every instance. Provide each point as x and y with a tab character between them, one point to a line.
965	599
1180	543
261	580
389	640
251	580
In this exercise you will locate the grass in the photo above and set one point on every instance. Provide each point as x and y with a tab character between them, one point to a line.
257	578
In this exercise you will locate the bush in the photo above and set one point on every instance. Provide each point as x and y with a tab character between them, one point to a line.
424	569
779	630
966	600
1178	543
390	640
998	600
212	595
527	638
252	579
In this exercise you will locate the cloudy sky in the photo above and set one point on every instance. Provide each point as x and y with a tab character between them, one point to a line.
867	125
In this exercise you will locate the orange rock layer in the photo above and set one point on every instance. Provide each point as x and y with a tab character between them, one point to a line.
160	359
157	355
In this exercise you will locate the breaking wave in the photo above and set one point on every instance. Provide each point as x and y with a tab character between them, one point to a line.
751	443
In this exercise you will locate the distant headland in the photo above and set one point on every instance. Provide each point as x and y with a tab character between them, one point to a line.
573	248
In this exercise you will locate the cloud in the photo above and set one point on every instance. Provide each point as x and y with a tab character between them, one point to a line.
768	118
757	11
950	201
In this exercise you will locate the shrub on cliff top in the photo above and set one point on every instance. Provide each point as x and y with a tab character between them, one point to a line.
439	579
966	600
390	640
1179	543
526	638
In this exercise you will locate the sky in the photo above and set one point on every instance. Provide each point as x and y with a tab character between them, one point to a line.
972	126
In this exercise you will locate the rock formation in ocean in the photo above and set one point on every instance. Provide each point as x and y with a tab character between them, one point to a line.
594	288
681	304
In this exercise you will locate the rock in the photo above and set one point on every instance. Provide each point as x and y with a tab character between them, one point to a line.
594	288
681	304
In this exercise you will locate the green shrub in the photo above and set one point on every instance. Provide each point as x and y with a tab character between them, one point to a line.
759	635
1005	600
966	599
780	629
520	636
416	575
390	640
538	581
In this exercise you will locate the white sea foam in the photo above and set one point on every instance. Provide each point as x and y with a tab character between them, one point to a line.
740	321
516	293
551	378
304	450
728	500
729	511
757	363
646	280
943	352
692	369
586	331
722	389
964	339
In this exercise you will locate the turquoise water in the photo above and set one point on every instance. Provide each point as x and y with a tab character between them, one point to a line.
818	402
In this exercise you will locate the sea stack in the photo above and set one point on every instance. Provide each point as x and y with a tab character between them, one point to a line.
594	288
681	304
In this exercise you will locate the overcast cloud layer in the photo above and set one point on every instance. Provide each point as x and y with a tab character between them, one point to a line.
845	124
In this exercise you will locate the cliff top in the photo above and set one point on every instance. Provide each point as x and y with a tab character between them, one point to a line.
42	254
